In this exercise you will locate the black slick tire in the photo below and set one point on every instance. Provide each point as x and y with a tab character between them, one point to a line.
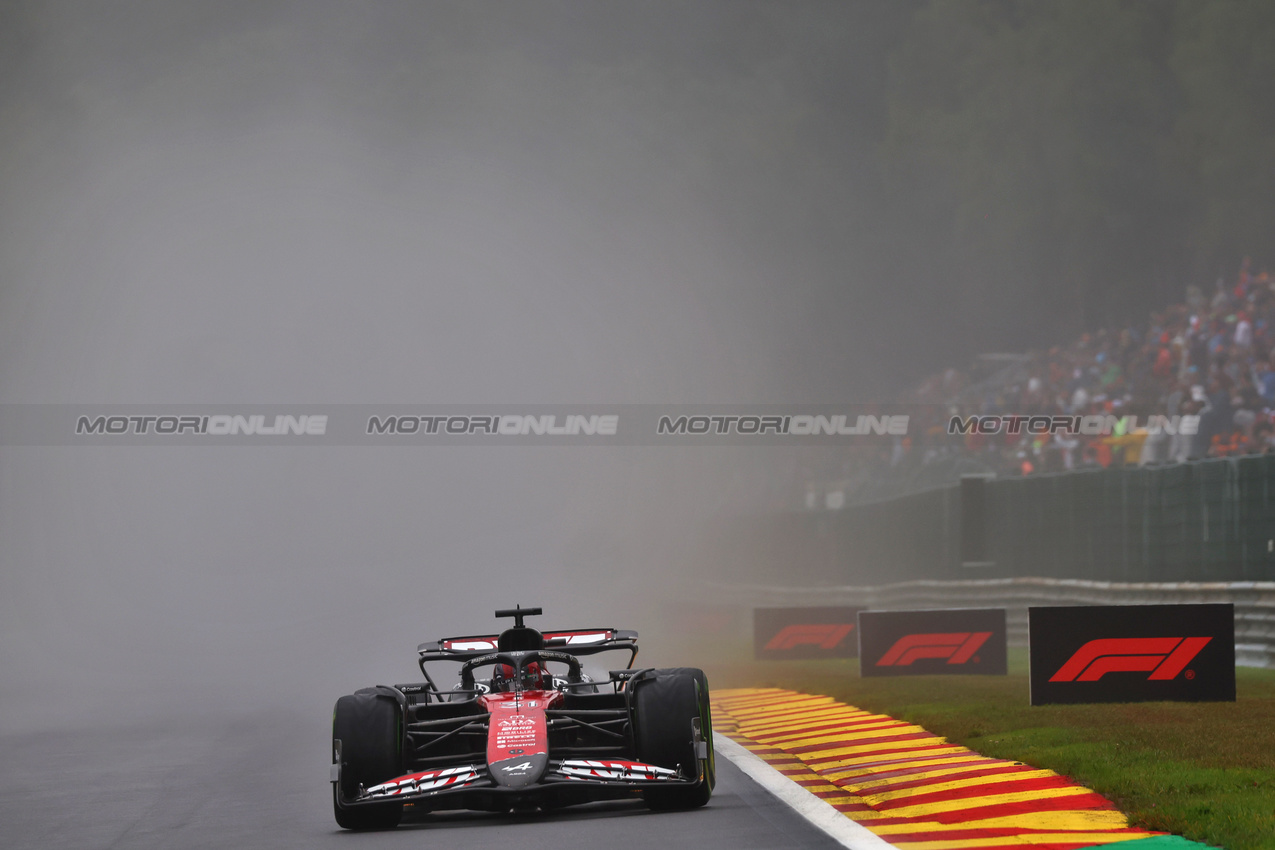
368	727
666	706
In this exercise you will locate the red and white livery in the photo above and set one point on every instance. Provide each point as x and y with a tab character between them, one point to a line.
525	728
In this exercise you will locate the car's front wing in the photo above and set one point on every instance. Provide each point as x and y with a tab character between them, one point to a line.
471	786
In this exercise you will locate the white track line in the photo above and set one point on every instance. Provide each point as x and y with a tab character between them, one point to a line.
839	827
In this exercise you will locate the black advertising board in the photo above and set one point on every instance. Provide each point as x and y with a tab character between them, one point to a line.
950	641
784	633
1132	653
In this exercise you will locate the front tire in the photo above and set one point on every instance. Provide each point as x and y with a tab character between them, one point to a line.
368	727
667	707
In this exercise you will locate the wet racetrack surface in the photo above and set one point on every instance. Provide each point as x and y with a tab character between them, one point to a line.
262	782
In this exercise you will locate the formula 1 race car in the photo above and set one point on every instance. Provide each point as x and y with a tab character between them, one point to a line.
525	728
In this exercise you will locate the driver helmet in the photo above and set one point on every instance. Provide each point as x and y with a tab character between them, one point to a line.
534	677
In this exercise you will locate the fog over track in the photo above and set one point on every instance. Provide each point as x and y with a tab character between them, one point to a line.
315	203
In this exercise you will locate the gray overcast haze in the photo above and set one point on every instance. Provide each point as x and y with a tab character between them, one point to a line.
974	212
243	202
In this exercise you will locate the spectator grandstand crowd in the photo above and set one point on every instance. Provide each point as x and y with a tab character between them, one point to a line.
1212	357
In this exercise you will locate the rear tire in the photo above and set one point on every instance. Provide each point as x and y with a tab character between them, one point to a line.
368	727
665	705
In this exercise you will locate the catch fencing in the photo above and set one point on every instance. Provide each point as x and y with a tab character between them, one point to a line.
1206	521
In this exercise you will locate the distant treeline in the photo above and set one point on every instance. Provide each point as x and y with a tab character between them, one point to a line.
1081	160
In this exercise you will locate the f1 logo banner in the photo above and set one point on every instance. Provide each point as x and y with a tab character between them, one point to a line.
781	633
953	641
1132	653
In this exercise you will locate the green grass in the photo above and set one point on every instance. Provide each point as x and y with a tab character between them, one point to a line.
1202	770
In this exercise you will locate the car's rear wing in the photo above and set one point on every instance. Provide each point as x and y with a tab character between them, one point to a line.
574	642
